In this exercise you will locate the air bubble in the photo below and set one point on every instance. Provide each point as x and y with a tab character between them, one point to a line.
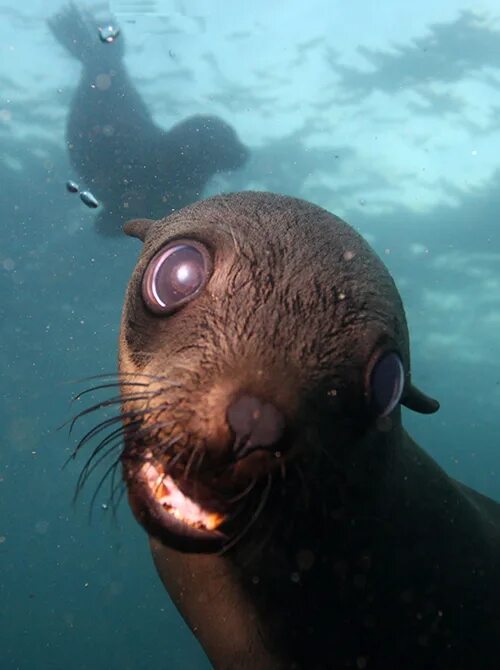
88	199
72	186
108	34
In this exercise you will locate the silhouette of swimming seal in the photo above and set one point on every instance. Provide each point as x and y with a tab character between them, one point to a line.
292	519
133	167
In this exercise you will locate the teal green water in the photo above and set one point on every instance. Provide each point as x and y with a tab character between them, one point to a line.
387	117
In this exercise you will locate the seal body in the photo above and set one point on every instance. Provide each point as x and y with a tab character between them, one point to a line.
292	519
132	166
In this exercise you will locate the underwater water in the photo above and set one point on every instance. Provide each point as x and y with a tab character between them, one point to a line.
386	114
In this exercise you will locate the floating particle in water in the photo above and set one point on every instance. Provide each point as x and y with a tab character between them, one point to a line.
72	186
103	81
108	130
87	198
109	33
42	527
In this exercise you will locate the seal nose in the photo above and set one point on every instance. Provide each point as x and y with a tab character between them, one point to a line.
256	425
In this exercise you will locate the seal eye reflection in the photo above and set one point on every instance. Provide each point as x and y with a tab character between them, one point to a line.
175	275
386	383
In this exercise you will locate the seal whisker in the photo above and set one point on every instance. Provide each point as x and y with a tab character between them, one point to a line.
117	400
151	428
95	431
244	493
123	416
121	489
237	245
201	458
115	435
166	446
88	469
144	354
107	386
115	486
262	503
118	375
113	466
255	549
91	464
148	429
194	452
103	425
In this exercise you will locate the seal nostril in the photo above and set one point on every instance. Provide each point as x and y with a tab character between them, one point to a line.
256	425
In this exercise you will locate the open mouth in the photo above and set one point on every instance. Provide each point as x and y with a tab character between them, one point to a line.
167	512
166	493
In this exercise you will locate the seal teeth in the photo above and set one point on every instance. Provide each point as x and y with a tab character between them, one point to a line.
167	494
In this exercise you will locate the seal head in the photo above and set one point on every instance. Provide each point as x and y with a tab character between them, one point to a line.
268	336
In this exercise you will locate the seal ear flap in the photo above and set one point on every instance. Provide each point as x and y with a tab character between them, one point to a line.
417	401
138	228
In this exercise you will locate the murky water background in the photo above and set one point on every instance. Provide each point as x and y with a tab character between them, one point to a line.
388	115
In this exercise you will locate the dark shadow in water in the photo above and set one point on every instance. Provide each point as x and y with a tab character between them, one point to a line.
448	53
286	165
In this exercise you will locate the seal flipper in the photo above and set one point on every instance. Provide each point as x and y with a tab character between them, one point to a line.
418	401
137	228
77	31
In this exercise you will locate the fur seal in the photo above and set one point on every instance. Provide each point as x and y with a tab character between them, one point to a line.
130	164
264	358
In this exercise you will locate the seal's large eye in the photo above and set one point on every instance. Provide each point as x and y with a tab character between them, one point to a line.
175	275
386	383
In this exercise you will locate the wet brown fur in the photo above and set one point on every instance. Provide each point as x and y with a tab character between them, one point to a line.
365	554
